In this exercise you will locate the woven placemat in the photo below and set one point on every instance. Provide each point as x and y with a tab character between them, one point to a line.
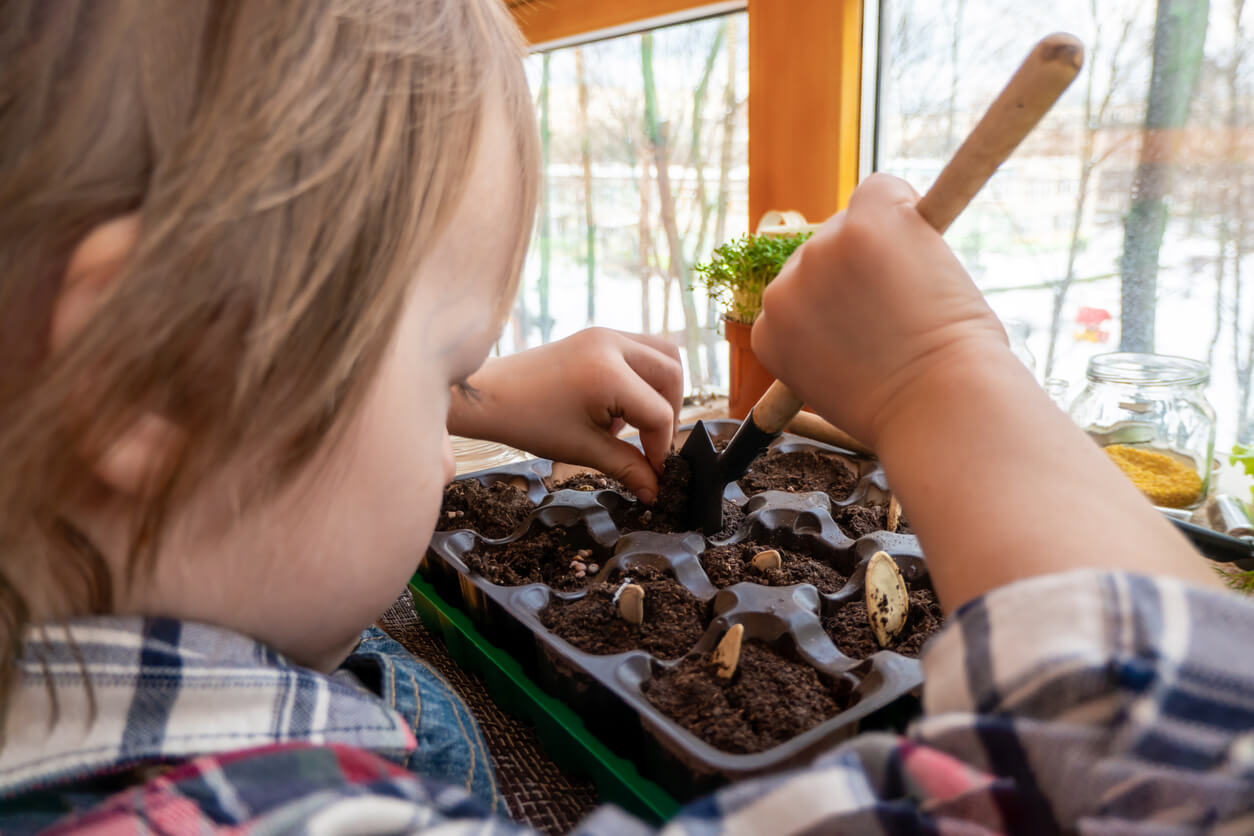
535	790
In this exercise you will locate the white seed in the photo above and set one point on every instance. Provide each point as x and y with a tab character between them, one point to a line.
581	574
578	565
894	513
765	561
594	568
452	515
727	655
887	599
631	603
460	514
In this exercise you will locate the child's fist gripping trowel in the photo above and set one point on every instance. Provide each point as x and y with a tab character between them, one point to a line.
1052	65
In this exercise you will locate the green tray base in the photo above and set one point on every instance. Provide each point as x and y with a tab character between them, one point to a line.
564	736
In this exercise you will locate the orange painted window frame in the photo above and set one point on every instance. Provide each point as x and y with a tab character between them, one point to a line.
805	88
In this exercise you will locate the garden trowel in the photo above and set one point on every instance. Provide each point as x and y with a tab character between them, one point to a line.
1051	66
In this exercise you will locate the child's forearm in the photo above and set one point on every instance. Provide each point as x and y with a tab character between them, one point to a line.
468	415
1000	485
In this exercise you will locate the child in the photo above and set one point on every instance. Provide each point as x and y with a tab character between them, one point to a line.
255	255
249	248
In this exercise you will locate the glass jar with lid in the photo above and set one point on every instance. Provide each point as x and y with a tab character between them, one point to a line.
1151	412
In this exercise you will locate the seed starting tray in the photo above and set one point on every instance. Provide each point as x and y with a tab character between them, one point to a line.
590	710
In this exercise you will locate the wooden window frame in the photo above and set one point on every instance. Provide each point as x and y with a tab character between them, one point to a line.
805	85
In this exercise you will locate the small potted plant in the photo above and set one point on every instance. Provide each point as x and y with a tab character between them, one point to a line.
736	275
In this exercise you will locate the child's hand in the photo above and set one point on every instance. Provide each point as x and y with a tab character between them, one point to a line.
873	302
877	326
567	400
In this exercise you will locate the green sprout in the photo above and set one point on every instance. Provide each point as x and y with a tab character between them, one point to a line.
1242	582
740	270
1243	454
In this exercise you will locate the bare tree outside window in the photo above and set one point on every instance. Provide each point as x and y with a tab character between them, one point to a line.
1179	35
1127	218
645	142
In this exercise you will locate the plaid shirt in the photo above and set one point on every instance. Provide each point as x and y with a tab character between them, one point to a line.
1085	702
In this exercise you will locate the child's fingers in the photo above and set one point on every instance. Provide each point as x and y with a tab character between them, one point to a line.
657	362
649	411
882	189
622	461
660	343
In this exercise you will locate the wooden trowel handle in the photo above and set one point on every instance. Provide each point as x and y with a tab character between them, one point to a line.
776	408
1036	85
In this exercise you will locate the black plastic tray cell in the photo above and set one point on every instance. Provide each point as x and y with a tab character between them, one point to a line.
580	548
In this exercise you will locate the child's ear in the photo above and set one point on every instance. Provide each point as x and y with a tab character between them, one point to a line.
90	273
94	266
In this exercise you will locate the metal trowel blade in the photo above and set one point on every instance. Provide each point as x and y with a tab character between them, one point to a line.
705	485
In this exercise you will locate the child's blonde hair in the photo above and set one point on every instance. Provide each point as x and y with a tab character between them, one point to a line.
290	163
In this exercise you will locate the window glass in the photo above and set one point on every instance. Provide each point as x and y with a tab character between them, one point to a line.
646	163
1127	219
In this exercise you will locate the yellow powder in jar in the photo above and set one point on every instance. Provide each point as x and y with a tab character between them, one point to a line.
1167	481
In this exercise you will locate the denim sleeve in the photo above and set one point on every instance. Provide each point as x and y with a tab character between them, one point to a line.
450	747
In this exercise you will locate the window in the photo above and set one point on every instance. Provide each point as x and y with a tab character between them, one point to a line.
646	164
1064	238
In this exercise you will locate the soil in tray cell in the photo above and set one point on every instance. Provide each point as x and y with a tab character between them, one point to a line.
851	631
551	556
733	563
494	511
592	482
674	620
859	520
669	512
800	471
768	700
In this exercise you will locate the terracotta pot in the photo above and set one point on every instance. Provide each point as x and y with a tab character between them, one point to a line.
748	379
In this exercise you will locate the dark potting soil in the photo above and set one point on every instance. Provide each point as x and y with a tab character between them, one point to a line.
669	512
670	509
592	482
674	619
800	471
851	631
768	700
494	511
733	563
859	520
551	556
733	516
643	518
